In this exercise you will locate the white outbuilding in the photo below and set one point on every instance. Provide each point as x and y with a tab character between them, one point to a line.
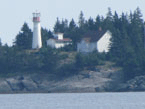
58	41
95	41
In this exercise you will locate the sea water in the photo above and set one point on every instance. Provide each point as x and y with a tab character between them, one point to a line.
132	100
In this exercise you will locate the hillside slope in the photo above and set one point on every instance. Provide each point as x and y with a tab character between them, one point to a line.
103	78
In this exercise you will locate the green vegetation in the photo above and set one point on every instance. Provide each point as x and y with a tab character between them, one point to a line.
127	47
24	38
89	61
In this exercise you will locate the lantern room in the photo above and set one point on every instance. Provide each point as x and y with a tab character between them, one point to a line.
36	17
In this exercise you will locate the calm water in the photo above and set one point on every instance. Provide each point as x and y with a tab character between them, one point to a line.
73	101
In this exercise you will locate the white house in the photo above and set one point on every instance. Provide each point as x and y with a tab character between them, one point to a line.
58	41
95	40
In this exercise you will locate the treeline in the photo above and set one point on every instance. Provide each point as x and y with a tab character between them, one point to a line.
127	47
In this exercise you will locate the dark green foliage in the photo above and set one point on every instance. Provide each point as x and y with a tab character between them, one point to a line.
108	21
87	60
98	22
67	48
60	27
127	44
91	24
24	38
81	20
66	70
13	60
72	25
45	34
127	41
49	59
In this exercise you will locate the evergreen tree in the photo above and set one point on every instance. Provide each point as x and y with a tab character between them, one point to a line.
57	26
116	20
91	24
61	26
24	38
81	20
45	36
98	22
108	21
49	59
127	44
72	25
65	25
109	15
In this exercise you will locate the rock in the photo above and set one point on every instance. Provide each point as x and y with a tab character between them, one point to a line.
4	87
29	85
20	78
99	89
100	80
19	84
15	84
136	84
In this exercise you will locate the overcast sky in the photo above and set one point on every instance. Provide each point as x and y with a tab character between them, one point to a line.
15	12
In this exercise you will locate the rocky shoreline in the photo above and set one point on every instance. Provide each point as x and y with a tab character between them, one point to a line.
100	80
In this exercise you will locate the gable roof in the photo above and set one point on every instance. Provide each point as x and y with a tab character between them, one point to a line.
62	40
93	36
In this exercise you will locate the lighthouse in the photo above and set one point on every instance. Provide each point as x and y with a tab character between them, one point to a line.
36	41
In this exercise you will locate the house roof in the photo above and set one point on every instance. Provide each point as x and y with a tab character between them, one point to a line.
93	36
62	40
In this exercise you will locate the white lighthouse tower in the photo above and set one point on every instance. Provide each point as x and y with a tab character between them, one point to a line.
36	42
